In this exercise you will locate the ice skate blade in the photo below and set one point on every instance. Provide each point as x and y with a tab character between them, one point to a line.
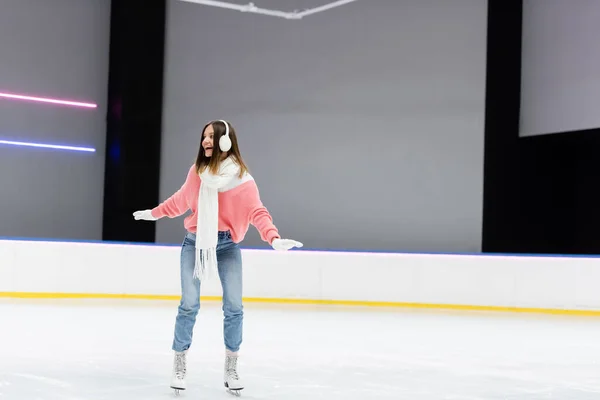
234	391
177	390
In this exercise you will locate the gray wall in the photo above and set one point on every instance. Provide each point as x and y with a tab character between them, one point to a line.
560	77
362	125
58	49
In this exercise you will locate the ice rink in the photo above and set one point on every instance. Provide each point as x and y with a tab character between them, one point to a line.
120	350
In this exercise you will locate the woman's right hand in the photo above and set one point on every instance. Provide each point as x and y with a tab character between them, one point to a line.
145	215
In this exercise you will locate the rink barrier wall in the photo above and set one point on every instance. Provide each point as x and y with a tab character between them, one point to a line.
477	282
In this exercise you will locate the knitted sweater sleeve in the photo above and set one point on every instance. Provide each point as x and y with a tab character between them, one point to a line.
177	204
259	216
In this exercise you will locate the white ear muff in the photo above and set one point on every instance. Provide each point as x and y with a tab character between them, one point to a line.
225	140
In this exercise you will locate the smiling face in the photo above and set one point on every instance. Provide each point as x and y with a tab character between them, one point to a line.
208	140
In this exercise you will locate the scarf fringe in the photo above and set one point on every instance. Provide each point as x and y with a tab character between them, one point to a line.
206	263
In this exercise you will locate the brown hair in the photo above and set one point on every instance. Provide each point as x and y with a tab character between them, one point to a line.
213	162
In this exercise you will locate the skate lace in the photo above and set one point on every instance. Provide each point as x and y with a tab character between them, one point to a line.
232	367
180	365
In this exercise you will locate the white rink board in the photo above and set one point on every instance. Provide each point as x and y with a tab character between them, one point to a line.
53	267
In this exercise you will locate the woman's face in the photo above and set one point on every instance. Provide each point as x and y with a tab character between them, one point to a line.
207	140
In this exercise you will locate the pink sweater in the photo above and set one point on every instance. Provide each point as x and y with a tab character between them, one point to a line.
239	206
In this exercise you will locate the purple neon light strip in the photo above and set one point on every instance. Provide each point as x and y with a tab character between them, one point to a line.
47	146
70	103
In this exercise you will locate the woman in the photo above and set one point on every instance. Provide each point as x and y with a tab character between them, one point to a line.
224	200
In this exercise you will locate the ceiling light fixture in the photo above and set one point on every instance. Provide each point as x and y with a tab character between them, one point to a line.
252	8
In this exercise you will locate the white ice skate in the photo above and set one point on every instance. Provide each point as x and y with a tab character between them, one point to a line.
231	378
179	371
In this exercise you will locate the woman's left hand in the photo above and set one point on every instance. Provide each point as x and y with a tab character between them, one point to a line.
285	244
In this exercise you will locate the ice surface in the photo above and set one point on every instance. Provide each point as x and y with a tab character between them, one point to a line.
121	350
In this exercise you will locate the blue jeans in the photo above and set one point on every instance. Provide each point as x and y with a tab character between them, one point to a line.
229	258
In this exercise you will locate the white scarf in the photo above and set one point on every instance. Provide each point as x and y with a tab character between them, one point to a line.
207	226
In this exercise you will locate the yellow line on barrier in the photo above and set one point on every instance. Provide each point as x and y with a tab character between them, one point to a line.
356	303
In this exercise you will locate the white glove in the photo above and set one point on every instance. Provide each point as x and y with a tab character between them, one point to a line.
145	215
285	244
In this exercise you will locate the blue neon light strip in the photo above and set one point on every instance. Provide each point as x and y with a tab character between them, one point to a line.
47	146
